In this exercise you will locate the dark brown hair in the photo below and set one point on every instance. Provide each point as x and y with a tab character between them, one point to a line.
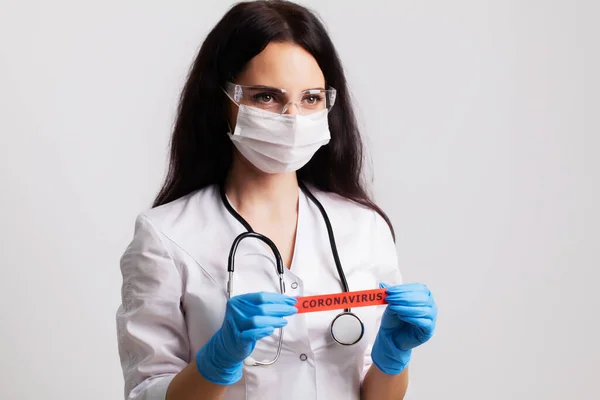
201	152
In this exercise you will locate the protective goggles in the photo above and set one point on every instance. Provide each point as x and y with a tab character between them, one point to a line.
278	100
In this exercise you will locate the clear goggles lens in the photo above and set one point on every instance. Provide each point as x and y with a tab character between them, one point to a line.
278	100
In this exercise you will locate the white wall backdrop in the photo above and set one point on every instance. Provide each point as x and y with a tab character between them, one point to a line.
483	121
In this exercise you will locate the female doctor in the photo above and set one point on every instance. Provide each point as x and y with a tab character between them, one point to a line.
266	149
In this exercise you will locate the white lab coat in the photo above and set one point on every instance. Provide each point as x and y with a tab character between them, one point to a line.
173	296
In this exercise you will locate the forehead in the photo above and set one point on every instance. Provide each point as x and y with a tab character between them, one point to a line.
283	65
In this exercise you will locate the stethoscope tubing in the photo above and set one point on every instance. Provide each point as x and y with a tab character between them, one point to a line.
250	233
279	262
332	244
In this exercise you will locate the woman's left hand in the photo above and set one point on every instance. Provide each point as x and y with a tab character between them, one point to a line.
408	321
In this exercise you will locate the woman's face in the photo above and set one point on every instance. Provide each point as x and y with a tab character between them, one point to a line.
281	65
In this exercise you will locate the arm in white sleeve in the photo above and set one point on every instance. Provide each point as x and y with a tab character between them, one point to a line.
152	334
385	268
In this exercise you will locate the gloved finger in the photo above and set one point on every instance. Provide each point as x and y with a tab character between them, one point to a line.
407	287
409	299
412	312
256	334
267	298
260	321
276	310
425	324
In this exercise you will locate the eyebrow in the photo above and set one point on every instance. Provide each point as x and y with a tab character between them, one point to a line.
264	87
275	89
317	88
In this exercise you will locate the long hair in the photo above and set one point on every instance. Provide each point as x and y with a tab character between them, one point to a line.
201	152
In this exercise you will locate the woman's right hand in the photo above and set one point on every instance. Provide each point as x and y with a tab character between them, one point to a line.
248	318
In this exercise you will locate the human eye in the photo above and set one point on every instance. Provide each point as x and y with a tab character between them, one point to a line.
313	99
265	97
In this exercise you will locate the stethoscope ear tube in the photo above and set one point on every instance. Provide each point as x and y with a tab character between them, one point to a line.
233	250
255	235
280	270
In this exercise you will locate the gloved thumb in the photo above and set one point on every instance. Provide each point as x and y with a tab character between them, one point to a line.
383	285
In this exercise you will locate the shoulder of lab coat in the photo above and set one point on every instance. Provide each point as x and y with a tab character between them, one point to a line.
152	336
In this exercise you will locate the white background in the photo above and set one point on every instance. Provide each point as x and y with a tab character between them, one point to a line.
483	121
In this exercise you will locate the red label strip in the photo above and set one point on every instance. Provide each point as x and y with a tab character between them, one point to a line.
338	301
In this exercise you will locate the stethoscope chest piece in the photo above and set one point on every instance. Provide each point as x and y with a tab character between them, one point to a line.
347	329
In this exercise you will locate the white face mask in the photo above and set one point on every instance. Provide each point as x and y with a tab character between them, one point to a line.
278	143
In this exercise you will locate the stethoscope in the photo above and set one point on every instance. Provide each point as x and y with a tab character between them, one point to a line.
346	328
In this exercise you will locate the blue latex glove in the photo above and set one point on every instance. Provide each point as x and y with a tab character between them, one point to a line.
408	321
248	318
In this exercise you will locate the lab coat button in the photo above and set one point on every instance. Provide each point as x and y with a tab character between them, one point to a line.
294	285
303	357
